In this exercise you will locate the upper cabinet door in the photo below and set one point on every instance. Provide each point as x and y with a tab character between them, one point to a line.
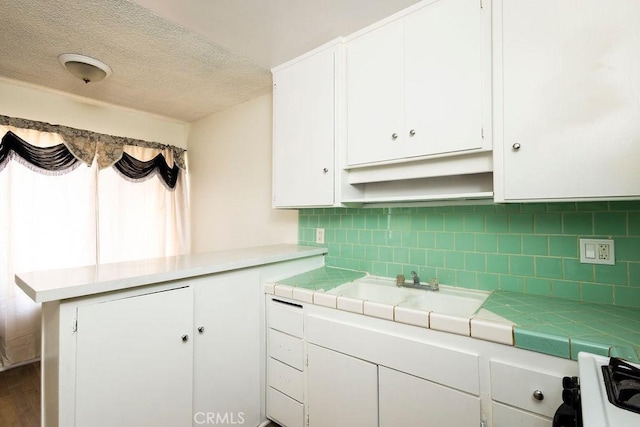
571	83
375	97
443	73
304	99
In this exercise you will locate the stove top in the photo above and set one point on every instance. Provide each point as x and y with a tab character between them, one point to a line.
610	391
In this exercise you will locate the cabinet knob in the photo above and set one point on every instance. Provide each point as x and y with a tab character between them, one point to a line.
201	329
538	395
394	136
185	338
516	146
325	170
412	132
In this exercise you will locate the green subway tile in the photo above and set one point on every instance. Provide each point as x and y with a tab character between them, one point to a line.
549	223
508	208
371	253
454	259
584	344
475	261
627	249
346	221
575	270
486	243
435	258
564	246
509	244
426	240
352	264
634	274
365	237
612	274
521	265
365	265
632	205
393	269
371	222
534	286
410	239
340	236
445	240
358	222
385	253
633	223
535	245
592	206
484	209
380	269
521	223
497	263
497	223
346	250
541	342
488	281
435	222
418	256
334	221
399	222
394	238
359	251
561	207
444	209
401	255
511	283
454	222
577	223
565	289
417	222
466	279
474	223
463	209
446	276
353	236
627	296
610	223
533	207
597	293
549	267
379	237
465	241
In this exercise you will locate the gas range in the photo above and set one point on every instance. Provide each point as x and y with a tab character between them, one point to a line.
609	391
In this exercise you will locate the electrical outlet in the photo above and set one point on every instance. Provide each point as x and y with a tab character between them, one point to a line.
320	236
597	251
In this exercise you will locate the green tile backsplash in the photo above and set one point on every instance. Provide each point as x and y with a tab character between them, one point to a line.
529	248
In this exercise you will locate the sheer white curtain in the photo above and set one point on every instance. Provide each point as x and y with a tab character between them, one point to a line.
79	218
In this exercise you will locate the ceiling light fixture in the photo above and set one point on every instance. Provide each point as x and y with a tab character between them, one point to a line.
85	68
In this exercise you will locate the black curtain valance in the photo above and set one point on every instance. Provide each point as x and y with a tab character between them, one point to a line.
59	160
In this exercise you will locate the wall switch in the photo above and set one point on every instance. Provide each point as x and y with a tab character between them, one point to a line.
320	235
597	251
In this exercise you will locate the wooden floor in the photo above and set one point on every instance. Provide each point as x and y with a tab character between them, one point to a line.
20	396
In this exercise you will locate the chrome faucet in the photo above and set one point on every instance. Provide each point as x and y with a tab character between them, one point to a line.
416	279
415	284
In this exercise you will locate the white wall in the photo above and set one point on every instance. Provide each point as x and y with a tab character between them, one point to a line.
230	171
34	103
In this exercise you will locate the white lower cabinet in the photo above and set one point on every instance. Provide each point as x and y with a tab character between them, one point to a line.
406	400
342	390
508	416
120	380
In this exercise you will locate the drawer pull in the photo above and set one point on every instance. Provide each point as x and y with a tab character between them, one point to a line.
538	395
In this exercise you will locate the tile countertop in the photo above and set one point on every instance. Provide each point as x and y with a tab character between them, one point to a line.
53	285
554	326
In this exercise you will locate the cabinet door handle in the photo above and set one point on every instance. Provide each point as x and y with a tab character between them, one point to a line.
394	136
538	395
516	146
325	170
412	132
201	329
185	338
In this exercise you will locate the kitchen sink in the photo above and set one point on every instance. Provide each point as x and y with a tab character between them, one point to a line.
448	300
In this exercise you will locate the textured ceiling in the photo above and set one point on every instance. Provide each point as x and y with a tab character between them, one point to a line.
179	59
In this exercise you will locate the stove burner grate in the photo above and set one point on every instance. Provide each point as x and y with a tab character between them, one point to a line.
622	382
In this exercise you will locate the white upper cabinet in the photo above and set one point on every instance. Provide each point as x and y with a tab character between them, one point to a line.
567	98
304	131
418	85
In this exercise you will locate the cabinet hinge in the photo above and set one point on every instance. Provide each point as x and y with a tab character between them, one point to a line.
306	360
307	420
481	5
75	325
482	133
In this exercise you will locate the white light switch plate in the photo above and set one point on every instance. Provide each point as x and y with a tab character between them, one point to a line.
597	251
320	236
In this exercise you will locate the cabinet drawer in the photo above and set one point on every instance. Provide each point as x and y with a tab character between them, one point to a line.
286	379
286	349
515	386
283	409
286	318
507	416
